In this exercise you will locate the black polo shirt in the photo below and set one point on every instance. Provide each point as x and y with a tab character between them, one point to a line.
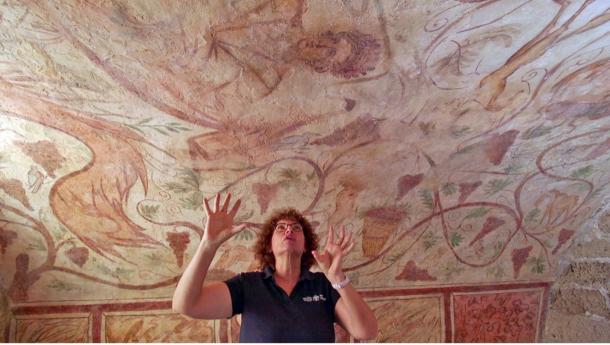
270	315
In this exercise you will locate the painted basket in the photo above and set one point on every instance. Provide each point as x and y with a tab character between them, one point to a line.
379	224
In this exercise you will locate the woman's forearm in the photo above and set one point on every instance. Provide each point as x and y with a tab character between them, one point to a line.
190	285
358	317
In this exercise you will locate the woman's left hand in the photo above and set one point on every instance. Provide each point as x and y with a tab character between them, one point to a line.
330	259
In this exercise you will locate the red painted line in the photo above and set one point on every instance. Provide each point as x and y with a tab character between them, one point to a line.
96	310
224	331
447	309
164	305
96	326
104	307
450	289
545	303
7	331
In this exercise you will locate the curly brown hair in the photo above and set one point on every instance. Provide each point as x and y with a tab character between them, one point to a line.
263	254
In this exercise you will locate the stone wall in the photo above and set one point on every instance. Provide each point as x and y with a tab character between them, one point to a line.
580	302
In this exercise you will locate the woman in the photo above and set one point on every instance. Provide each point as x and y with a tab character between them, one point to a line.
284	302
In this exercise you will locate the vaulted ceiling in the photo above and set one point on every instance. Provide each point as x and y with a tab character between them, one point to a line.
461	141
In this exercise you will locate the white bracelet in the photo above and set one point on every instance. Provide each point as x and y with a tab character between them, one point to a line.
341	284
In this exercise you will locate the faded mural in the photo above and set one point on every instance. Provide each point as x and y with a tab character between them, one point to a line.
464	143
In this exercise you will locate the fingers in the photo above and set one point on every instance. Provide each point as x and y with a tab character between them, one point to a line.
237	228
331	236
349	248
322	259
207	206
347	241
217	203
235	208
225	206
341	239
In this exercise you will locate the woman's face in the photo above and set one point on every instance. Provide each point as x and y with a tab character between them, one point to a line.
288	238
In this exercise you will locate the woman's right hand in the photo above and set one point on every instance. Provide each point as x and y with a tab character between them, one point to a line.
219	225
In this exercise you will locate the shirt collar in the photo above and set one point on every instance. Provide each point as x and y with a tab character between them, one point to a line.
268	273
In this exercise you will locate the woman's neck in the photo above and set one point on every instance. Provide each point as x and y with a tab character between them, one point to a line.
288	268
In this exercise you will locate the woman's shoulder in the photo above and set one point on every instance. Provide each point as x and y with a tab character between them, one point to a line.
318	276
253	275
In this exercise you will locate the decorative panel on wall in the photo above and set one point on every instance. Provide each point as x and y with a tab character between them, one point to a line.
483	313
152	327
498	316
58	328
411	320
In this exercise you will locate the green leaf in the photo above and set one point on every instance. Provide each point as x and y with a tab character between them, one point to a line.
178	187
459	131
60	285
582	172
597	192
496	185
537	264
532	215
245	235
512	168
497	248
144	121
449	188
37	245
191	178
452	268
153	257
136	128
496	272
426	197
285	184
290	174
536	132
455	239
429	244
429	240
477	213
194	201
466	149
149	211
426	127
123	272
105	270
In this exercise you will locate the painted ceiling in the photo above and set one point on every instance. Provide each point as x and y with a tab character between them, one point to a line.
463	142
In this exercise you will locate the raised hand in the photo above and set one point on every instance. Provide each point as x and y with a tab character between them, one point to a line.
219	224
330	259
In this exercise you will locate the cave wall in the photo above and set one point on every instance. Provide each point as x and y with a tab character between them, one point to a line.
464	143
579	300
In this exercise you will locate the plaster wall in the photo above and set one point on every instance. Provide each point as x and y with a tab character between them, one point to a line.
464	143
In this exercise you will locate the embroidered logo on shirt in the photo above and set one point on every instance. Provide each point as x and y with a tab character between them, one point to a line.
314	298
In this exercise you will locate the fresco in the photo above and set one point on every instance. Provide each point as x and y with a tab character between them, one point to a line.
156	327
463	142
413	320
497	317
57	329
